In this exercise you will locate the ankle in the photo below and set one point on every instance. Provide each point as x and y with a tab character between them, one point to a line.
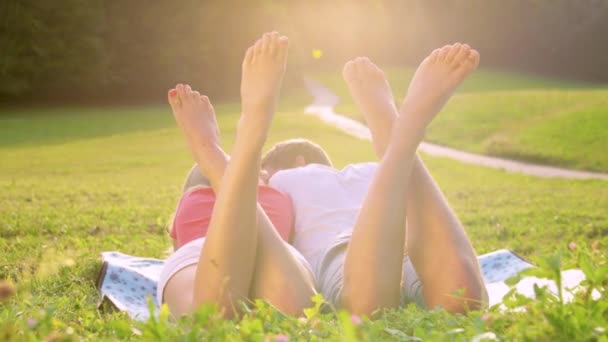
213	169
407	132
260	105
380	126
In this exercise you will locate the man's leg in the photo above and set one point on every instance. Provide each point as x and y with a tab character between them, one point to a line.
436	241
374	260
231	254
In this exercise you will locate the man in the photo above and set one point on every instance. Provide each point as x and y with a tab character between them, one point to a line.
351	224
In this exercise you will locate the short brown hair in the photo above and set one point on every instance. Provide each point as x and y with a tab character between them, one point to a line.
283	154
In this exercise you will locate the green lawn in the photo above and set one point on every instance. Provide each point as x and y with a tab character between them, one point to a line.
76	182
514	116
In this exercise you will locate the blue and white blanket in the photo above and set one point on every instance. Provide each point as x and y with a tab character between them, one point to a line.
128	281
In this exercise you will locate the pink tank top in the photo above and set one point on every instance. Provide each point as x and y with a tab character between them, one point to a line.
195	207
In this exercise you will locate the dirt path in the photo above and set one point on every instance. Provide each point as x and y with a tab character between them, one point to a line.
323	107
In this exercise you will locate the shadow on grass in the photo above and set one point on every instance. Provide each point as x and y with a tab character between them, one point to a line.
44	126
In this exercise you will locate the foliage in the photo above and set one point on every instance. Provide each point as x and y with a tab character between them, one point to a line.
85	50
50	45
521	318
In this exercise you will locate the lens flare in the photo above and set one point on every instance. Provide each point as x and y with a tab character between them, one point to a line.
317	53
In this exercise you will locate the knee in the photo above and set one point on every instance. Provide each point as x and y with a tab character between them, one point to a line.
195	178
290	299
470	295
368	303
361	306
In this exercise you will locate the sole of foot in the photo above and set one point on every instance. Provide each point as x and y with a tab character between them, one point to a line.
263	69
196	118
436	79
373	95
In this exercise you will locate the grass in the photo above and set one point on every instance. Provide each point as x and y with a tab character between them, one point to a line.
513	116
75	182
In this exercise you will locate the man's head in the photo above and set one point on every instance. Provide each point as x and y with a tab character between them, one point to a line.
293	153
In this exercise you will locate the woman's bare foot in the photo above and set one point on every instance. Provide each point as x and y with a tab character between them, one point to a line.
436	79
196	118
372	93
263	69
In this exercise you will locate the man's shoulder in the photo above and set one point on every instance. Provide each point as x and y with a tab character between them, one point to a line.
362	169
301	176
321	173
305	170
364	165
333	170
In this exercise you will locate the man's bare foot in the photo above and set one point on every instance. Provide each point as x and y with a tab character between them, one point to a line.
436	79
372	93
263	69
196	118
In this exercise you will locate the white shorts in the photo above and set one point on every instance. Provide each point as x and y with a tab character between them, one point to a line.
189	254
330	275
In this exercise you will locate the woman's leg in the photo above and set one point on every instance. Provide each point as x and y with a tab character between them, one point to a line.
374	259
232	251
280	277
223	273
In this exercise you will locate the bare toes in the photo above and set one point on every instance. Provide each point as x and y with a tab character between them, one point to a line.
273	48
348	70
207	104
462	54
257	50
370	69
375	69
434	55
282	47
196	96
468	64
443	53
188	93
360	66
454	50
173	97
249	55
474	58
266	40
366	67
283	41
181	92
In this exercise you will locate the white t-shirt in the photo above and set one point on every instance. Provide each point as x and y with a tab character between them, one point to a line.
326	203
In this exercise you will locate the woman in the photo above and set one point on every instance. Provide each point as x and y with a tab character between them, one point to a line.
241	256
